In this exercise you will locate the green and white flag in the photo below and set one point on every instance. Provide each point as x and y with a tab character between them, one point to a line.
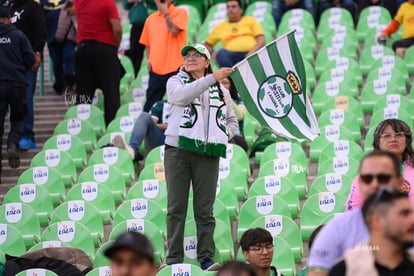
272	84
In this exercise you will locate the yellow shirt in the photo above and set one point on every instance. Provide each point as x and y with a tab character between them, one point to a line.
237	37
405	16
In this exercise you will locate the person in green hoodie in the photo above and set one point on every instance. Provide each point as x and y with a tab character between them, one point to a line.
138	11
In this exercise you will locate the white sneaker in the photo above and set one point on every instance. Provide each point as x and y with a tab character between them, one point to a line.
120	143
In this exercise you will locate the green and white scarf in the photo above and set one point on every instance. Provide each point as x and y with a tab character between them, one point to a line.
195	136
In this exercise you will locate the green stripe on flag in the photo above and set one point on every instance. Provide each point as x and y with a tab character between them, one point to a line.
257	68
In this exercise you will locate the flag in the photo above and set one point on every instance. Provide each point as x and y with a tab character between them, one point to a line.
272	84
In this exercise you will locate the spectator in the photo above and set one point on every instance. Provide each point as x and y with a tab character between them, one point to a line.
279	7
390	5
236	268
391	135
16	58
388	216
343	232
200	124
27	16
131	254
138	11
149	127
257	247
239	35
346	4
61	51
404	17
96	60
164	34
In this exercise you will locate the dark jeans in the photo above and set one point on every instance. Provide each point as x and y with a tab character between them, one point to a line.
390	5
136	50
63	57
31	77
156	89
97	66
279	8
226	58
146	130
15	98
346	4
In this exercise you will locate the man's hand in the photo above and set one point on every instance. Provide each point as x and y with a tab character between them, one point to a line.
382	37
222	73
38	61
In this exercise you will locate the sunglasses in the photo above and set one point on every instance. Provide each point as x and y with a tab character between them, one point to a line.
382	178
193	56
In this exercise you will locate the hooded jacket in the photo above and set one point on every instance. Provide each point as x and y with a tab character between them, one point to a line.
27	16
16	55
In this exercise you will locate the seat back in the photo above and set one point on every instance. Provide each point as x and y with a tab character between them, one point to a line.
121	124
346	103
331	182
391	112
341	117
153	171
150	189
133	109
156	155
37	272
90	113
81	128
341	165
11	240
341	148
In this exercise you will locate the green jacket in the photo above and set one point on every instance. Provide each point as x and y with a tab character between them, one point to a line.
139	10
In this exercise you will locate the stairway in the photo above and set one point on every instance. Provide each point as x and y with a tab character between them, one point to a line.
49	111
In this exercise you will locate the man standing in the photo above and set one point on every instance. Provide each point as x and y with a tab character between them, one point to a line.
239	35
96	61
257	247
388	215
27	16
16	58
132	254
164	35
377	169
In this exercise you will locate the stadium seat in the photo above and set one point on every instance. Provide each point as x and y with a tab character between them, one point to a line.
341	148
326	91
72	233
260	205
115	157
310	74
219	210
108	139
393	101
317	208
36	271
146	227
72	145
226	194
59	160
341	76
409	59
100	260
345	63
153	171
342	165
98	195
326	55
335	27
345	103
136	94
391	61
124	59
276	185
155	155
389	74
284	227
369	139
81	128
250	129
341	117
48	244
90	113
24	218
291	16
98	99
200	5
391	112
35	196
132	109
194	21
373	90
83	212
153	189
332	182
100	271
11	240
107	175
235	173
370	54
329	133
340	42
121	124
180	269
289	169
370	18
284	150
235	153
48	178
141	208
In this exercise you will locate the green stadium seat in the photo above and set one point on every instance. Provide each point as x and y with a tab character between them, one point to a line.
72	145
341	117
136	95
341	76
48	178
98	99
81	128
370	54
194	21
409	59
180	269
133	109
326	55
226	194
100	271
90	113
341	148
108	139
317	208
389	74
284	150
369	139
391	112
200	5
236	174
250	129
292	17
107	175
100	260
24	218
11	240
346	103
72	233
375	89
236	154
121	124
332	182
340	42
391	61
347	64
393	101
341	165
310	74
124	59
155	155
35	196
153	189
370	18
326	91
36	271
219	210
153	171
276	185
48	244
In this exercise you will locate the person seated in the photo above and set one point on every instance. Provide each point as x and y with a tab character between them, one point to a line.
239	36
403	18
149	127
257	247
279	7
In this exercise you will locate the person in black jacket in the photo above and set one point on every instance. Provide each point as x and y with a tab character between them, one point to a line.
16	58
28	16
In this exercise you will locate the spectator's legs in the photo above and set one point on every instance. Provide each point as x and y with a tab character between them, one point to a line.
155	137
310	7
323	6
156	89
69	63
27	141
177	164
86	82
226	58
3	111
350	6
136	50
17	112
204	175
278	8
56	53
400	46
139	132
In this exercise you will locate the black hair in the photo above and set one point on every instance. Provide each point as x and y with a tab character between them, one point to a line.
254	237
233	91
238	1
314	234
381	153
398	126
235	268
